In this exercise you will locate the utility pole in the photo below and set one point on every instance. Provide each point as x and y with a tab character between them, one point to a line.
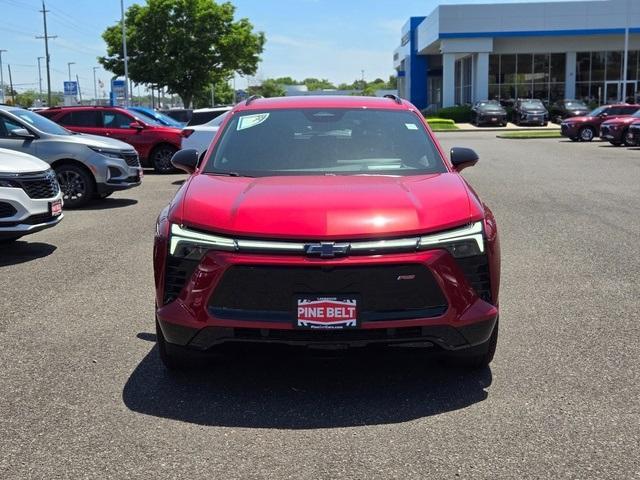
95	85
46	51
13	99
69	67
1	75
79	91
625	74
40	79
126	59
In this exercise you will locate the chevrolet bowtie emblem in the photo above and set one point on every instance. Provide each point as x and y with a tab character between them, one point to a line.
327	249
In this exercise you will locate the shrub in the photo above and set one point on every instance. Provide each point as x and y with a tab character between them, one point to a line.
459	114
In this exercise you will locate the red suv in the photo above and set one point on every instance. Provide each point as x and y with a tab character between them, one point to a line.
585	128
326	222
154	142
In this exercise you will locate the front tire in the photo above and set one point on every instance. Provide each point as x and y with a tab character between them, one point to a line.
627	138
586	134
161	158
76	184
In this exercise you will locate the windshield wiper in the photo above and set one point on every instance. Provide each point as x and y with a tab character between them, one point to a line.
229	174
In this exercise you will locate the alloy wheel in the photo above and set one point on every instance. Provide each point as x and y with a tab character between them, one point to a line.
72	185
162	159
586	134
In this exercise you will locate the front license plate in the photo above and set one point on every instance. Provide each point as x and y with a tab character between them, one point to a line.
535	119
494	119
55	208
326	312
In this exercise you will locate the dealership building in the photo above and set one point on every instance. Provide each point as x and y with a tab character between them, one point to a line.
459	54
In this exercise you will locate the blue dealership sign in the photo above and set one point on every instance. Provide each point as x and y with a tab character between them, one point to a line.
71	89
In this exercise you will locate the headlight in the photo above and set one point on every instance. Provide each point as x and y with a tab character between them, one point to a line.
193	245
107	153
461	242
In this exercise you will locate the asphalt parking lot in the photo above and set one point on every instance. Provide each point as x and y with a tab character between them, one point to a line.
83	394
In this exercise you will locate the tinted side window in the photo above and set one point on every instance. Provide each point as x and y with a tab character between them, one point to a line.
116	120
7	125
199	118
86	118
630	110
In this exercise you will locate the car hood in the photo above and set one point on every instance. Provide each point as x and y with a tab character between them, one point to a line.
533	110
18	162
492	111
96	141
621	121
327	207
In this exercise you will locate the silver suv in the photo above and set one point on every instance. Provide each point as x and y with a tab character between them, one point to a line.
87	166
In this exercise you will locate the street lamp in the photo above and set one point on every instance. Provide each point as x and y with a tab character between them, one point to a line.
95	85
1	76
40	78
69	67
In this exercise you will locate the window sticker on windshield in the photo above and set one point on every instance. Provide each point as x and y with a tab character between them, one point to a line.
249	121
411	126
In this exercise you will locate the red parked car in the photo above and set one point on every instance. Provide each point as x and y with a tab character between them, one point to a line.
155	143
618	130
327	222
585	128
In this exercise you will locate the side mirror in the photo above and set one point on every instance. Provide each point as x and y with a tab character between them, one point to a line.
186	160
462	158
22	133
136	126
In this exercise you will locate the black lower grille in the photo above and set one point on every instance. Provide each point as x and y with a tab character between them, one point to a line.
32	220
177	273
40	186
131	159
476	271
384	292
604	130
7	210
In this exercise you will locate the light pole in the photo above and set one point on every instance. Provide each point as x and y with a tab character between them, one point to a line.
40	78
1	76
95	85
124	52
69	67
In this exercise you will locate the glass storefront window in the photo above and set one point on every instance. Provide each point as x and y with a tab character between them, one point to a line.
494	69
583	67
614	65
508	69
598	60
494	92
525	64
541	68
557	67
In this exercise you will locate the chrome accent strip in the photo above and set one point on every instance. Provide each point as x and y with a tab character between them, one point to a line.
469	232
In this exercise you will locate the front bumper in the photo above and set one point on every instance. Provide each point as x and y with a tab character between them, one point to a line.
634	135
569	131
116	173
533	118
610	134
189	320
30	215
486	119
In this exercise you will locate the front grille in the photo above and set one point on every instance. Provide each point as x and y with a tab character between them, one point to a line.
7	210
383	292
40	186
476	271
32	220
131	159
177	273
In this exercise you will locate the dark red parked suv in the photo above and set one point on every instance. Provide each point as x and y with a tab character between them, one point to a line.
585	128
327	222
154	142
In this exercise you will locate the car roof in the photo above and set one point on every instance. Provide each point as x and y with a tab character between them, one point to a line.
324	101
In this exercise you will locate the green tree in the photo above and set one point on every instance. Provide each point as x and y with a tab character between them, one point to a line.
268	88
183	45
223	94
318	84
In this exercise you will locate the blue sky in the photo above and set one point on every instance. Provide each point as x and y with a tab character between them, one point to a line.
333	39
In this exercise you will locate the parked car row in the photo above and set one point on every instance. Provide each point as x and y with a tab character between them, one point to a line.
610	122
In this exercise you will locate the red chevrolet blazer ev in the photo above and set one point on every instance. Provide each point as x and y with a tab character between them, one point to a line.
326	222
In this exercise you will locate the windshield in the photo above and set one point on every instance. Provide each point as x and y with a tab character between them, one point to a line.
146	118
576	105
159	118
490	105
597	111
534	102
39	122
325	142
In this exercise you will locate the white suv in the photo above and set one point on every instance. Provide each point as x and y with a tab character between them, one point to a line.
30	197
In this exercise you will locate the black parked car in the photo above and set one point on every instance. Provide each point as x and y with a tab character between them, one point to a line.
488	112
567	108
530	111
